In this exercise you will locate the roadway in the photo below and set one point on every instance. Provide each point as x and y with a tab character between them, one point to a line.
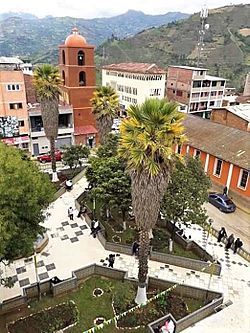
237	223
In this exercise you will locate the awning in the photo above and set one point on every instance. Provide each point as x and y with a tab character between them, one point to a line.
84	130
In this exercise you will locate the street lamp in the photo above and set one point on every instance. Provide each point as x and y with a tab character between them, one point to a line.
37	276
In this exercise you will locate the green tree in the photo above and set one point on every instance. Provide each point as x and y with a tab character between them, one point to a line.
24	196
110	147
72	155
147	137
46	82
105	108
110	184
186	193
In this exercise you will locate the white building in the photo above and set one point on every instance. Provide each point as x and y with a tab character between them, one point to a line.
194	88
134	82
39	143
15	62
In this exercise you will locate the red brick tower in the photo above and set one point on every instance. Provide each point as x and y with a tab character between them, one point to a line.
76	63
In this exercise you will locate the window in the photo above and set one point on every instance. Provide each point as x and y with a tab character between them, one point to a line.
81	58
63	57
82	79
204	94
214	83
179	93
195	95
13	87
243	179
25	145
179	147
197	153
21	123
220	93
218	167
15	106
222	83
213	93
63	77
196	84
211	103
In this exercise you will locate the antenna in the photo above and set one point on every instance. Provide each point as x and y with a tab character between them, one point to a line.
204	26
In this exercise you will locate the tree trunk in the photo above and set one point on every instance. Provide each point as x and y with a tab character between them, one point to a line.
141	296
53	159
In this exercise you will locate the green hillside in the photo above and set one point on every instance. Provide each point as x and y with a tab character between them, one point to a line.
226	51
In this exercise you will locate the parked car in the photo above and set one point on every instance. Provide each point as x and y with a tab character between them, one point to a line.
222	202
47	158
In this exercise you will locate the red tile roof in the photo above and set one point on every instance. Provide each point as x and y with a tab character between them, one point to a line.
83	130
136	67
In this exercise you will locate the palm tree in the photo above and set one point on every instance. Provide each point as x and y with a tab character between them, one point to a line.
46	82
146	143
105	107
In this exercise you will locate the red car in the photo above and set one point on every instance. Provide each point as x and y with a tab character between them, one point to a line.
47	158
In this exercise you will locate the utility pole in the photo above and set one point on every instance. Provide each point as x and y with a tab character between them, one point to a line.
204	26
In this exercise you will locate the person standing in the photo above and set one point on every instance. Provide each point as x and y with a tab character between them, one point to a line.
238	243
71	213
111	260
230	241
82	210
222	233
135	248
225	190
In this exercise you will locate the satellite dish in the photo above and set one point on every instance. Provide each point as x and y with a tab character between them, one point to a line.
206	26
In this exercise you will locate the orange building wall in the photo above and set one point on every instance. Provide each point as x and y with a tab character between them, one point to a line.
234	182
7	97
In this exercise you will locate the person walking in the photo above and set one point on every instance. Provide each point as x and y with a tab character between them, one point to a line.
222	233
82	210
71	213
95	227
111	260
238	243
135	248
230	241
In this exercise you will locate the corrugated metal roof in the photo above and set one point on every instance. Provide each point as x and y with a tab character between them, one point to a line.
83	130
227	143
136	67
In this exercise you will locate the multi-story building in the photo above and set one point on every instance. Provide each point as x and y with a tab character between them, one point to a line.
134	82
195	90
76	63
26	68
39	143
14	126
225	154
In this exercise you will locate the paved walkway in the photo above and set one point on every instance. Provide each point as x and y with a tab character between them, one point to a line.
71	247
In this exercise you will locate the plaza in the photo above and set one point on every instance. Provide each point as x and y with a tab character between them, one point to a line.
71	247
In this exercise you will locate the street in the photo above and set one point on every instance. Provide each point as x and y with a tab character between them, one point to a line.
237	223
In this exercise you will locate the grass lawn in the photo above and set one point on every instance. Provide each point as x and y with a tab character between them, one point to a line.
89	307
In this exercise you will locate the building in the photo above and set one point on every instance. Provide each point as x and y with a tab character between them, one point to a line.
246	91
134	82
225	154
15	62
237	116
39	143
76	63
194	88
14	126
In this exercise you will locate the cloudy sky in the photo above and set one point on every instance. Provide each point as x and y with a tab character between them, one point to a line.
106	8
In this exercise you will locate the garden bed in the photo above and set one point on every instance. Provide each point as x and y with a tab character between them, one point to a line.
114	230
48	320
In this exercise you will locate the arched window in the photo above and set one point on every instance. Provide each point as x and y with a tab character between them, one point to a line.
82	79
63	57
63	77
81	58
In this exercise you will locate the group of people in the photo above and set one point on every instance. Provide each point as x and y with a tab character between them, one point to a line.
82	210
230	240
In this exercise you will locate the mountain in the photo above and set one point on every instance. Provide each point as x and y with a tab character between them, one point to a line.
226	51
38	38
28	16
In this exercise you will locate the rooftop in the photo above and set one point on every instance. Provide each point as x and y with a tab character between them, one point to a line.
10	60
241	110
136	67
227	143
190	68
214	78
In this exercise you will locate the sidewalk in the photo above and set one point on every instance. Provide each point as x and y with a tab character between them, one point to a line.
71	247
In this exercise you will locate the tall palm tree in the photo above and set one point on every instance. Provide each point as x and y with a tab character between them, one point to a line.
146	142
105	107
46	82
